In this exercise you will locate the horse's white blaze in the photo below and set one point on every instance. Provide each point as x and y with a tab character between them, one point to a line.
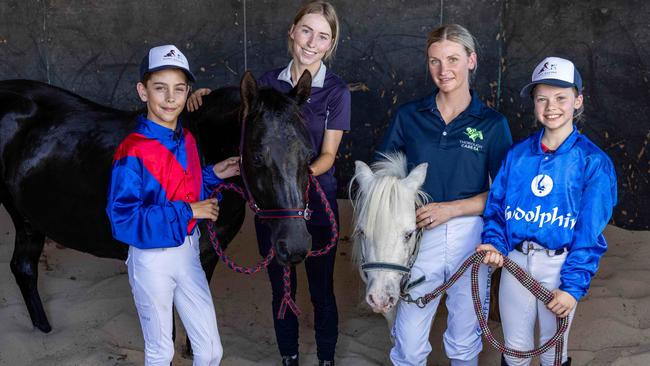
384	211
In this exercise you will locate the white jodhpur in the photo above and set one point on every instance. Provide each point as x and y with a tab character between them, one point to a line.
442	250
166	276
520	308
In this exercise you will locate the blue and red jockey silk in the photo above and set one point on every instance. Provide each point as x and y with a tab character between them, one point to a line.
560	199
156	174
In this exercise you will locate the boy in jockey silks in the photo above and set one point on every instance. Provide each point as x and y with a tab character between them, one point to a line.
156	195
546	210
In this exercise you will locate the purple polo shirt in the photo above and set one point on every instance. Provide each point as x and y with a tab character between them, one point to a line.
328	108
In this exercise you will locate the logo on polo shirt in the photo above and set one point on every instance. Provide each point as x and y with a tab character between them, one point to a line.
541	185
474	134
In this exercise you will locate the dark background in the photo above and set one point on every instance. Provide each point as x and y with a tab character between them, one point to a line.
94	48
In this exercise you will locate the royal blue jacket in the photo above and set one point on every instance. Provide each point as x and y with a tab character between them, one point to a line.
559	200
156	173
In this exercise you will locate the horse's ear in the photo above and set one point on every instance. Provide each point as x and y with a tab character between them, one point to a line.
416	177
301	92
248	90
363	174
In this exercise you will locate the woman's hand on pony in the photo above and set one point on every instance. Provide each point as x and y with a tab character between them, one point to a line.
195	100
227	168
493	257
434	214
562	303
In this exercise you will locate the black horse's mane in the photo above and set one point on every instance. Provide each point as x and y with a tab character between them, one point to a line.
42	93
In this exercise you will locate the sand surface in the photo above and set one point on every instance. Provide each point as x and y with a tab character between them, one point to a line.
89	304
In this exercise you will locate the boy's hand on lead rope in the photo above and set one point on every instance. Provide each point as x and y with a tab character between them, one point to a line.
206	209
492	257
195	100
227	168
562	303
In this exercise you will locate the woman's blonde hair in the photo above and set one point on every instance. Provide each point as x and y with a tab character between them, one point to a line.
454	33
327	11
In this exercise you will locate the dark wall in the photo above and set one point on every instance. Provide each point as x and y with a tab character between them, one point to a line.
94	48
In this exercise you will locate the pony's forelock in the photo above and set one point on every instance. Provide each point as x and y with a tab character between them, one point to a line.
374	202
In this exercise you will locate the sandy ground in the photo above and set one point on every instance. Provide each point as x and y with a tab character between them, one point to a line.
89	304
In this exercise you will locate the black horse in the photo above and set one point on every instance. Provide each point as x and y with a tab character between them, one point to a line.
56	150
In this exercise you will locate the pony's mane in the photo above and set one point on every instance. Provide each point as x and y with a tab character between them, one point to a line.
376	203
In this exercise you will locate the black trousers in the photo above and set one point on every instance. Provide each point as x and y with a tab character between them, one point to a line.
320	271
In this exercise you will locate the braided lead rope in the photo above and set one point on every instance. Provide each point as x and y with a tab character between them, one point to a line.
330	216
540	292
287	300
217	246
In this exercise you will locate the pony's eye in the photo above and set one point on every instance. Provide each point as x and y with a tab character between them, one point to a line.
257	159
408	236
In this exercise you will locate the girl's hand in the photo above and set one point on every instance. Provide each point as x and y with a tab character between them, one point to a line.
562	303
206	209
493	257
227	168
195	100
434	214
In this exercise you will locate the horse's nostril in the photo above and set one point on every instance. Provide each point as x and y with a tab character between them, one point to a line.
282	253
392	301
283	247
370	300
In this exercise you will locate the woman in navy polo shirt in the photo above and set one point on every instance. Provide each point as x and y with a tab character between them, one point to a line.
313	37
463	141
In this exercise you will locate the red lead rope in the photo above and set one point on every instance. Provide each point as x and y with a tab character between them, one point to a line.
287	300
540	292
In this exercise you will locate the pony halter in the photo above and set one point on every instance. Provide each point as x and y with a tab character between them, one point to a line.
405	270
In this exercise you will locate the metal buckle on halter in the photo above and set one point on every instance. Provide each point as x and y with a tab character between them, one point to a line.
419	301
307	213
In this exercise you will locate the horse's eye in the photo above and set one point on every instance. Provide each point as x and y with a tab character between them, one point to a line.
257	159
408	236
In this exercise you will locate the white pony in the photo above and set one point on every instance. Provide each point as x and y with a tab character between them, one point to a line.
385	231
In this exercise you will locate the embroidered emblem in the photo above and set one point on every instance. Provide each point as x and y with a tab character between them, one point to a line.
474	134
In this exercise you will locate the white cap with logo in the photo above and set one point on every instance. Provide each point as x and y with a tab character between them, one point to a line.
554	71
165	57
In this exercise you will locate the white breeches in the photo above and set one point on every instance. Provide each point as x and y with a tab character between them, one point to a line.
442	250
520	309
166	276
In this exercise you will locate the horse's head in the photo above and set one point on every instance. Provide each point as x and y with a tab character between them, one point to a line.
386	234
276	154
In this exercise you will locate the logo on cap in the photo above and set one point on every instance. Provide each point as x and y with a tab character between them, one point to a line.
541	185
546	67
171	53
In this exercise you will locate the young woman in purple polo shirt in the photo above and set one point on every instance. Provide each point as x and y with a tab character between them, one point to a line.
312	39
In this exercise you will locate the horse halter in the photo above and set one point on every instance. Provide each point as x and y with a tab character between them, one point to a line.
405	286
273	213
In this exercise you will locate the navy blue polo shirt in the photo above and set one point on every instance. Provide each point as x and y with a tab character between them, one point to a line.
461	154
328	108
